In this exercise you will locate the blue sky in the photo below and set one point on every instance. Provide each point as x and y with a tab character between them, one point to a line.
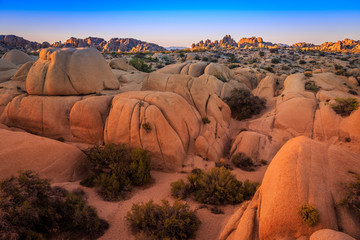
174	23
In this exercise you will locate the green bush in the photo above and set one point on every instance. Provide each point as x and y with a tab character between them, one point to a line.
309	214
205	120
140	65
31	209
345	106
243	162
244	104
302	62
114	169
216	186
311	86
269	69
352	197
308	74
275	60
164	221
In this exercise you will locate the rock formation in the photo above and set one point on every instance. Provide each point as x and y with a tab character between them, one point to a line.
70	72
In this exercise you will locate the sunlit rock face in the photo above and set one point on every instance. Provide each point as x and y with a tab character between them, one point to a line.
51	159
163	123
202	94
70	72
303	171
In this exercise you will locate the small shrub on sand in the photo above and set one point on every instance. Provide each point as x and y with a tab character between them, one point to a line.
243	162
164	221
31	209
311	86
114	169
216	186
147	126
352	196
309	215
244	104
345	106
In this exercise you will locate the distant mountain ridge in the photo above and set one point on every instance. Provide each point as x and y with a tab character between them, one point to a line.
345	46
8	42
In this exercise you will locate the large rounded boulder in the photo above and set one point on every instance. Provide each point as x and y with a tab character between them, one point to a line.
70	71
304	171
17	57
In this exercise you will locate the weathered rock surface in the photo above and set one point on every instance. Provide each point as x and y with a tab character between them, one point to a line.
303	171
7	70
52	159
329	234
70	72
121	64
202	93
23	71
172	123
16	57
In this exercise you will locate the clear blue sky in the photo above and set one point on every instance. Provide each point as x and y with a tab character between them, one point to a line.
180	23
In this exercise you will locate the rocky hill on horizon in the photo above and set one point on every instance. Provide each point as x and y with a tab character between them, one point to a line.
345	46
8	42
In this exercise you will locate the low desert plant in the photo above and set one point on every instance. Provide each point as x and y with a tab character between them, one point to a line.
205	120
311	86
243	162
352	196
220	77
345	106
269	69
140	65
309	214
275	60
244	104
216	186
147	126
308	74
353	92
164	221
114	169
302	62
31	209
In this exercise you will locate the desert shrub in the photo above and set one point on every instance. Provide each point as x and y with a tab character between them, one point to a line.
216	186
244	104
164	221
114	169
308	74
353	92
222	163
309	214
311	86
31	209
302	62
205	120
269	69
352	196
232	66
285	68
263	162
344	106
275	60
274	50
220	77
179	189
243	162
261	54
147	126
205	59
140	65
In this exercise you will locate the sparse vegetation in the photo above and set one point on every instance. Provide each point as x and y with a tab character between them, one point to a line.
147	126
31	209
220	77
140	65
275	60
205	120
308	74
164	221
114	169
242	161
244	104
309	214
216	186
345	106
352	196
311	86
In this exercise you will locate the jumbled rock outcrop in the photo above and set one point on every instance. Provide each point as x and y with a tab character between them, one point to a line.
304	171
70	72
161	122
